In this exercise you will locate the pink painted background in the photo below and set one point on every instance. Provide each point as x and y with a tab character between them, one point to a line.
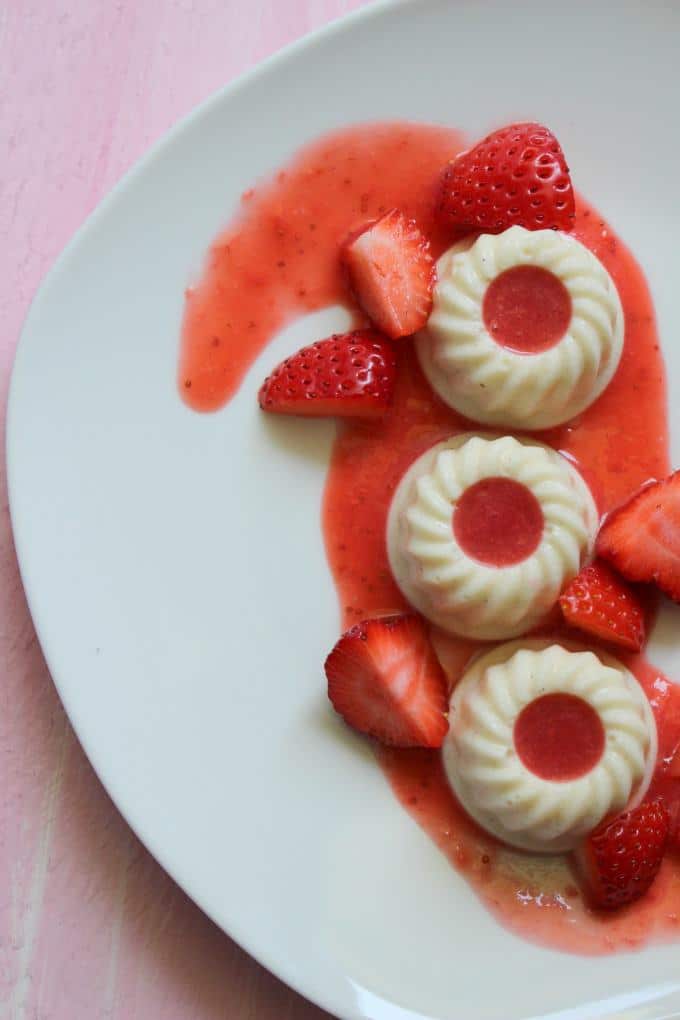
90	927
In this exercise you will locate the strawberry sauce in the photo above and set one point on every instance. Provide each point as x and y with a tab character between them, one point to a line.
279	259
539	897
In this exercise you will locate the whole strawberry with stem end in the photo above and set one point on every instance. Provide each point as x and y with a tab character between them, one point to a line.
621	857
391	273
641	538
599	602
385	680
517	175
349	375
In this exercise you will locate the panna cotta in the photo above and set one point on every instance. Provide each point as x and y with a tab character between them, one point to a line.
545	742
484	532
526	329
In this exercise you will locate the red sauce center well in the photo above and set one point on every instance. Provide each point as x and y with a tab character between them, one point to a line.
527	309
498	521
278	259
559	737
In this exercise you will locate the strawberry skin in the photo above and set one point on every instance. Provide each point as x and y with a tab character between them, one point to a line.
385	680
517	175
622	857
600	603
351	375
642	537
392	274
667	789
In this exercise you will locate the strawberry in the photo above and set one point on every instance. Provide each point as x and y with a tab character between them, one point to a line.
351	375
672	766
667	789
392	274
600	603
517	175
666	782
385	680
642	537
664	701
621	858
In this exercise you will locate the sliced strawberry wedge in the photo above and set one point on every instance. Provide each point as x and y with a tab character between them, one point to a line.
351	375
642	537
517	175
621	858
600	603
385	680
391	272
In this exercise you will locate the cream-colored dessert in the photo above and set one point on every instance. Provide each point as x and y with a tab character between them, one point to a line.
545	742
484	532
526	329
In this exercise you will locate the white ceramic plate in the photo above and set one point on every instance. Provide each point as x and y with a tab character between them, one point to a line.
187	654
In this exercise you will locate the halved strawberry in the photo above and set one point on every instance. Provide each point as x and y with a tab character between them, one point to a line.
666	781
664	700
667	789
385	680
600	603
672	767
517	175
642	537
351	375
392	274
621	858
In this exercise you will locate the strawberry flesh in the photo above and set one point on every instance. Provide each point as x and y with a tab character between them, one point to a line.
351	375
642	537
517	175
600	603
391	273
385	680
621	858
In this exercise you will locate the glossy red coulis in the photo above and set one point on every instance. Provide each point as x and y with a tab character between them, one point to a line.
498	522
279	259
539	897
559	737
526	309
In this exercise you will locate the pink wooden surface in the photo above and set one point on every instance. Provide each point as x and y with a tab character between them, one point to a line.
90	927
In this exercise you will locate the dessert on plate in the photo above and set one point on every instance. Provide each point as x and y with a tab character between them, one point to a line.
500	516
484	533
545	742
526	329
